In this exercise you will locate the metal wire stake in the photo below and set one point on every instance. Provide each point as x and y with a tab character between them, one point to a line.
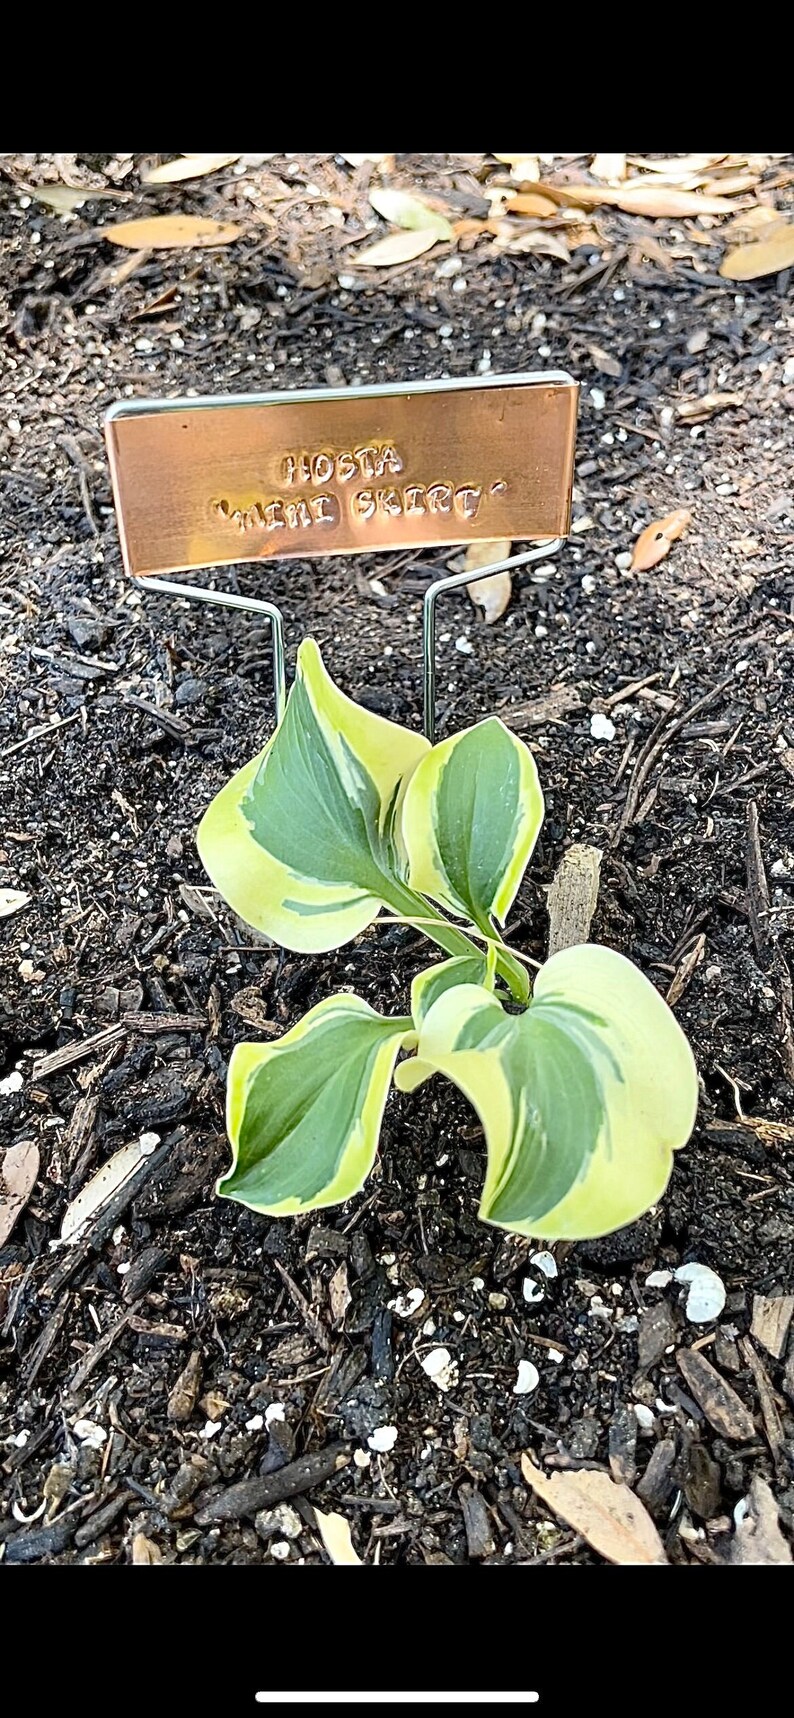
541	552
229	599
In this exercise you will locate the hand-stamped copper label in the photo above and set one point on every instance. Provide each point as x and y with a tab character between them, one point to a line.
203	482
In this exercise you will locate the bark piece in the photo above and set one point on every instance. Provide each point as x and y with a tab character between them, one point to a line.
573	896
723	1409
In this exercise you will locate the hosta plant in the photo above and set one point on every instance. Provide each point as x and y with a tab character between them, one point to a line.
582	1080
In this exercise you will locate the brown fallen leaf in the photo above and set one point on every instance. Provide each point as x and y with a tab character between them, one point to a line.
18	1171
186	167
696	411
758	1538
144	1550
656	540
760	219
530	203
607	1515
403	210
185	1393
62	199
612	168
659	201
546	244
106	1181
397	248
723	1408
492	595
171	232
12	901
768	256
676	166
335	1534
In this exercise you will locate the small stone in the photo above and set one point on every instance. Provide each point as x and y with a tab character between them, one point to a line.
706	1292
658	1279
90	1433
280	1550
645	1417
282	1519
362	1458
273	1413
405	1305
601	728
528	1378
588	584
440	1368
190	691
383	1439
545	1263
497	1301
255	1423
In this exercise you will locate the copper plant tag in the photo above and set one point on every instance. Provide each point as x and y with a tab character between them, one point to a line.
199	483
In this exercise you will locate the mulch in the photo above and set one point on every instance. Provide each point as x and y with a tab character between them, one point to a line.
230	1368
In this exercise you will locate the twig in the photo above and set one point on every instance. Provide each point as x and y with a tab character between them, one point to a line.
757	888
661	736
38	734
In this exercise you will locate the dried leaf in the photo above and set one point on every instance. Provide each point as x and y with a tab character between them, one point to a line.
18	1172
758	1538
772	1316
607	1515
62	199
403	210
12	901
760	219
612	168
530	203
547	244
171	232
677	166
358	160
187	167
768	256
492	595
397	248
696	411
638	198
144	1550
655	541
335	1534
103	1185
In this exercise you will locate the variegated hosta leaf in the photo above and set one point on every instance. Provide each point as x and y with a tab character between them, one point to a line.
470	819
304	1115
429	985
300	842
583	1098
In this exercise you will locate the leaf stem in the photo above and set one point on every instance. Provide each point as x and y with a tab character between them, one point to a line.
415	909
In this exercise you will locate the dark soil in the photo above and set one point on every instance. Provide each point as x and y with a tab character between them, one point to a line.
152	705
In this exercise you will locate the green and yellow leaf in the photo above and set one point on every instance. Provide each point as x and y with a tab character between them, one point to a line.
470	818
583	1098
301	841
304	1114
429	985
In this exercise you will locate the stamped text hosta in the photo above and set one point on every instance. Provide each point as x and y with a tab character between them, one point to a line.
584	1083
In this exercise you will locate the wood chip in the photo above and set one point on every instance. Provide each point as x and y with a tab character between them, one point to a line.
608	1516
757	887
573	896
773	1424
770	1323
250	1495
723	1409
477	1522
686	971
185	1393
